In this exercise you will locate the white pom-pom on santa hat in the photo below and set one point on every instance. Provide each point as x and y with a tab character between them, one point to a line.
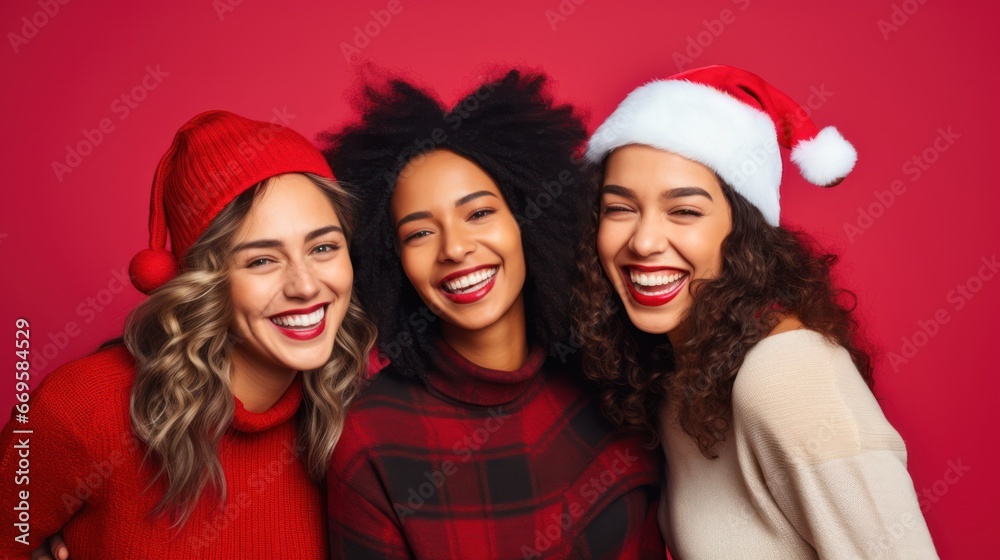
825	159
731	121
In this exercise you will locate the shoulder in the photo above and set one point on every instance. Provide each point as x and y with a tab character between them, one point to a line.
86	400
386	405
88	382
795	363
386	388
802	393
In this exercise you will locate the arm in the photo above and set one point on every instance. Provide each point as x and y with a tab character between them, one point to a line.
363	522
831	461
41	470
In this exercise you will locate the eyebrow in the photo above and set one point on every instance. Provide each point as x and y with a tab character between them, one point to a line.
425	215
679	192
686	191
275	244
412	218
470	197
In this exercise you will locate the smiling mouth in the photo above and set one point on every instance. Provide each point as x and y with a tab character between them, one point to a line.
655	283
301	321
652	288
470	283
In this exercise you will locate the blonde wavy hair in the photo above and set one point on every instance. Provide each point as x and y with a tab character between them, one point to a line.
182	402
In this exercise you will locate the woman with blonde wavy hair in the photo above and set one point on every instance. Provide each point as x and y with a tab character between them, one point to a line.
205	430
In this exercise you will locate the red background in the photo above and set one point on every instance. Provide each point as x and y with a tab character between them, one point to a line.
890	90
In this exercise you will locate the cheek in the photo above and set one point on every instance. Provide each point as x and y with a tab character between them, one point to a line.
247	295
702	250
508	240
611	238
339	276
414	265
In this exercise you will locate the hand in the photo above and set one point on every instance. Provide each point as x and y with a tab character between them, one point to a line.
54	548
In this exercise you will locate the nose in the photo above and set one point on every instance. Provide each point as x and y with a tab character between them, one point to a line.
649	238
301	282
456	244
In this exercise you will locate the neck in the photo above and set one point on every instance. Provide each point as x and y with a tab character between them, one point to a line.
257	385
501	346
678	335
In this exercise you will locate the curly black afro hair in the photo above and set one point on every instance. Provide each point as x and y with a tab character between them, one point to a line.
509	126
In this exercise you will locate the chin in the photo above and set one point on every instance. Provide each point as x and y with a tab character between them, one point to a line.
651	321
653	326
306	362
469	321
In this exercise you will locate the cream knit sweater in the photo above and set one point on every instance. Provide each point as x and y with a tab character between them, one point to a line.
810	467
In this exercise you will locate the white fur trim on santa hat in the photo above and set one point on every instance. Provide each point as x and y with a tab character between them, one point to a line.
703	124
826	158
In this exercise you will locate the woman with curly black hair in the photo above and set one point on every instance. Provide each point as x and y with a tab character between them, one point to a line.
730	342
473	442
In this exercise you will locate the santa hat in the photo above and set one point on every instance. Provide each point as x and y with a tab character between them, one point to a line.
214	157
731	121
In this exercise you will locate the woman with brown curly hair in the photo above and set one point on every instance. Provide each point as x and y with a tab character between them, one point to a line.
720	333
205	433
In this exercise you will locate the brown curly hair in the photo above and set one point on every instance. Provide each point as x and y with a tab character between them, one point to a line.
767	273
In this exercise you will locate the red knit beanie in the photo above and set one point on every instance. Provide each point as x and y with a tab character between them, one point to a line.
214	157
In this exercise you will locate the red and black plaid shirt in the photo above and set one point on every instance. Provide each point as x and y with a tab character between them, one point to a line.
481	463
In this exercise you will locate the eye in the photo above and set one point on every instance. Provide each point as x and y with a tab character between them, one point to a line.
259	262
482	213
327	248
688	212
416	235
616	209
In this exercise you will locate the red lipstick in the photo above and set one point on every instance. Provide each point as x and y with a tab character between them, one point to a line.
647	299
469	297
300	333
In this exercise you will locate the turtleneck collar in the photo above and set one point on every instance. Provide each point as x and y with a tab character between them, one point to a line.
246	421
460	379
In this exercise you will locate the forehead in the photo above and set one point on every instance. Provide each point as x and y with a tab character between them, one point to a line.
439	178
289	204
648	170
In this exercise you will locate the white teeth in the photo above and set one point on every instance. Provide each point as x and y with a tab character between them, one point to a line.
654	279
473	279
305	320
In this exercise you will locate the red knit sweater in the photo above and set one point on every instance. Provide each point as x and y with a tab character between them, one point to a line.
87	477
